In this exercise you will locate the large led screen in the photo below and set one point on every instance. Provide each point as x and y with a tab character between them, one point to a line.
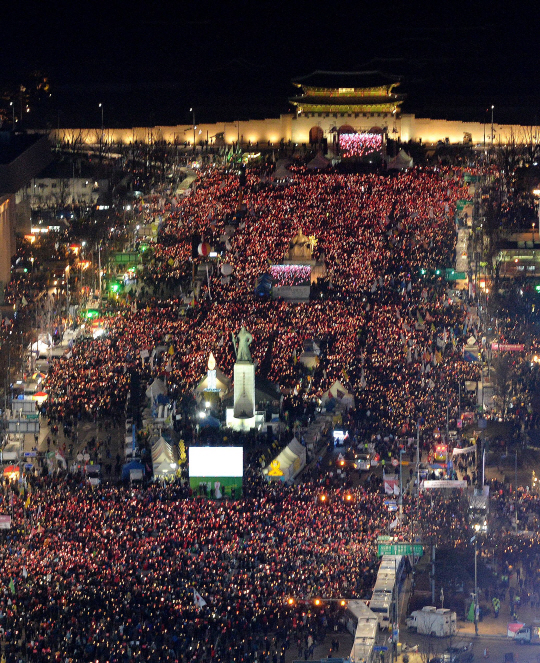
216	462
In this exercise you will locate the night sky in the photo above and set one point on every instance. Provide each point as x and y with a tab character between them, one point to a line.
148	63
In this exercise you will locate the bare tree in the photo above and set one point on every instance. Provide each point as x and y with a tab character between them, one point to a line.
531	143
504	376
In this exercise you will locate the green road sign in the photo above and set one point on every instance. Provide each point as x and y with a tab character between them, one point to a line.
401	549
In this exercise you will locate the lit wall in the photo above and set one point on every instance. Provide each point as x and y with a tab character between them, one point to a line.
7	237
296	129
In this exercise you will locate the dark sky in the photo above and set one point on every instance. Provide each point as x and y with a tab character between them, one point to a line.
148	63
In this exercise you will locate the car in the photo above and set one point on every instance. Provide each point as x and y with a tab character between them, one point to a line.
462	654
363	462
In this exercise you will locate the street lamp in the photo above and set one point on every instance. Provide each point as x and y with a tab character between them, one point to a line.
13	113
102	136
474	540
192	111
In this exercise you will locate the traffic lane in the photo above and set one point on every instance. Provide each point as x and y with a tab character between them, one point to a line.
497	646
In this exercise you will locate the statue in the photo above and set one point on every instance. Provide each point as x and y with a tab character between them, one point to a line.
243	339
300	247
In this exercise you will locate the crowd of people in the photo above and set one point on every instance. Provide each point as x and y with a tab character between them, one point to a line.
110	574
390	332
160	574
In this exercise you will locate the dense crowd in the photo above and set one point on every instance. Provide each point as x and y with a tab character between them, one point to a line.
109	573
388	329
113	574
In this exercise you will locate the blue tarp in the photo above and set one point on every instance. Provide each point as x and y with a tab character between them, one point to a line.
133	465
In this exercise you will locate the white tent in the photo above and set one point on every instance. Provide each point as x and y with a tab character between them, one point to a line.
281	173
155	389
222	382
290	461
401	161
340	393
162	452
318	162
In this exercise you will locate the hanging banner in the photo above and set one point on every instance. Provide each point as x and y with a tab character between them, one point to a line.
507	347
443	483
467	450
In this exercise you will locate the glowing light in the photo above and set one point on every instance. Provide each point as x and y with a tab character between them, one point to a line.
359	145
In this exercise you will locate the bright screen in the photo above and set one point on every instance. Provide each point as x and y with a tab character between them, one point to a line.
359	145
216	461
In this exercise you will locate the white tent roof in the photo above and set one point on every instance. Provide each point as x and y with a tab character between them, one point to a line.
401	161
282	173
291	460
340	393
222	382
318	162
157	387
162	452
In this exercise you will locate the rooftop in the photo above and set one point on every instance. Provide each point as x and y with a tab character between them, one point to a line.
346	79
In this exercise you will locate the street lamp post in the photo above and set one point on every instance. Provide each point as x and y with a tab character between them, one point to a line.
192	111
492	136
12	113
401	452
102	136
475	586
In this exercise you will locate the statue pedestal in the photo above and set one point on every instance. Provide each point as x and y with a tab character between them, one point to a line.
244	390
242	416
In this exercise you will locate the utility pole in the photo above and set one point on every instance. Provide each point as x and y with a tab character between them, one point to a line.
433	574
474	540
400	485
515	493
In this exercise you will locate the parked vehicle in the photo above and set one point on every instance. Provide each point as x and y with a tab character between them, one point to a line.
363	462
439	622
528	635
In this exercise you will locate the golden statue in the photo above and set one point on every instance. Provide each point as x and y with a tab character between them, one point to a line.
300	247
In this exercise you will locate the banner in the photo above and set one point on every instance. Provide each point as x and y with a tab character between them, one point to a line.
5	522
443	483
391	486
508	347
467	450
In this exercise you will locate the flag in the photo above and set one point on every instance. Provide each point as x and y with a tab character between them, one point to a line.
12	586
198	599
171	350
27	504
394	523
294	356
24	572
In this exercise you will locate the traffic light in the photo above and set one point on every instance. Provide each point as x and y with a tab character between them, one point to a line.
317	602
343	603
290	601
348	497
323	498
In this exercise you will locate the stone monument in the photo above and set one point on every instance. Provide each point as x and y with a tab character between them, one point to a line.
242	416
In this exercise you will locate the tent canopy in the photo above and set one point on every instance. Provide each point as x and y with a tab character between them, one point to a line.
318	162
341	395
401	161
155	389
290	460
281	173
133	465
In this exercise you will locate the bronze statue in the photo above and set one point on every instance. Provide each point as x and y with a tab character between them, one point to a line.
241	344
